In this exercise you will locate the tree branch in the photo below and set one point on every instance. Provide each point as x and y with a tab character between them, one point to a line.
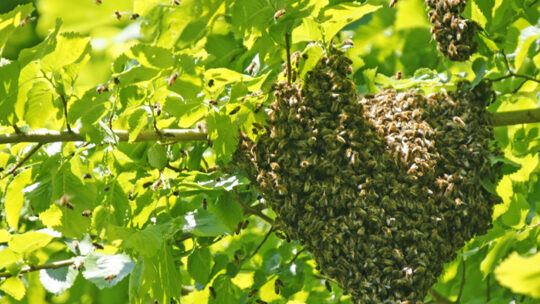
34	150
26	269
54	136
176	135
515	117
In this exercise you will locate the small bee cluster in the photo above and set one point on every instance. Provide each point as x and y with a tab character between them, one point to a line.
454	34
383	189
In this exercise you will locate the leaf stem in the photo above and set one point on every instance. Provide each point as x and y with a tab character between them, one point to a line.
64	102
54	265
263	241
252	211
22	161
439	297
488	295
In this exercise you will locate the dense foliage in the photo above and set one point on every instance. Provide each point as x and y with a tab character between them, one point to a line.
113	218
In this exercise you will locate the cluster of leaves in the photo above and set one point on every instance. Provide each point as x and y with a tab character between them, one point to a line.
175	216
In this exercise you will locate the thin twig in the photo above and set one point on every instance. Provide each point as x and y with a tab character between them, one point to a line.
27	269
533	3
147	135
462	284
174	168
263	241
439	297
65	112
288	47
252	211
296	256
22	161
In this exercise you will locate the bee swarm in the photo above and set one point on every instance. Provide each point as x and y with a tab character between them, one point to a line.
382	189
454	34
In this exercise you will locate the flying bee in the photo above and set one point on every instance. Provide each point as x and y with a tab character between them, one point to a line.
172	79
64	201
97	1
134	16
110	277
177	2
101	89
251	67
26	20
279	13
393	3
117	14
87	213
398	75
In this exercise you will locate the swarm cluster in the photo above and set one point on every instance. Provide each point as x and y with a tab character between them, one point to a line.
381	189
454	34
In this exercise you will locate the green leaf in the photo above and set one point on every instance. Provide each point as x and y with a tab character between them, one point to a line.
226	291
29	241
338	16
90	108
152	56
136	278
70	48
14	287
15	197
146	242
137	121
137	74
199	265
520	274
58	280
309	30
39	108
224	135
9	84
9	257
107	270
497	250
313	52
11	20
187	112
204	223
157	156
528	36
227	209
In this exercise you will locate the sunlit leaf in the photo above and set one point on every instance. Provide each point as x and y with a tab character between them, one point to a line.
521	274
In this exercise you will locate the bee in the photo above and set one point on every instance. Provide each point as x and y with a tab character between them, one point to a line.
110	277
134	16
177	2
213	102
172	79
251	67
107	188
276	287
98	245
279	13
235	110
116	80
26	20
87	176
101	89
64	201
245	224
238	228
393	3
204	204
212	292
252	292
210	83
87	213
398	75
117	14
97	1
157	107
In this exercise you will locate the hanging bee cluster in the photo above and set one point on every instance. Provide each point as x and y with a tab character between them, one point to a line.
383	189
454	34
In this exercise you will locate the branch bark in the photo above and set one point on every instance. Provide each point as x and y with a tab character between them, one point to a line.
515	117
53	136
26	269
176	135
